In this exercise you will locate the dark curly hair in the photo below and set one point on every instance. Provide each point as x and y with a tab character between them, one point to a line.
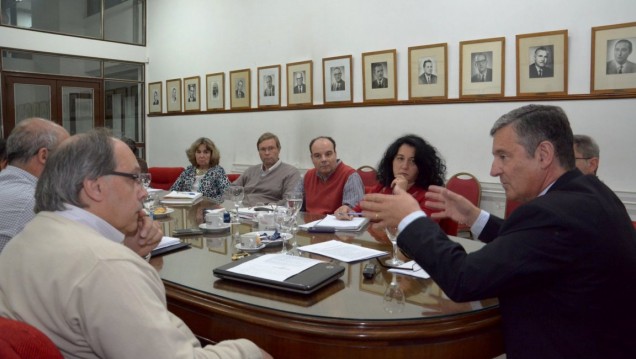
431	168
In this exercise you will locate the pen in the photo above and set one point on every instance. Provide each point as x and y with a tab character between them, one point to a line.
355	214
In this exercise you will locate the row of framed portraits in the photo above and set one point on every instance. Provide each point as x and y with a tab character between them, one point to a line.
541	59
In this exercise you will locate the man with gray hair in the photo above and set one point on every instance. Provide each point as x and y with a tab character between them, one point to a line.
29	145
73	280
563	264
586	154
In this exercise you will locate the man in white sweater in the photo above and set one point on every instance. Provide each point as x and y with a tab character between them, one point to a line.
270	181
68	274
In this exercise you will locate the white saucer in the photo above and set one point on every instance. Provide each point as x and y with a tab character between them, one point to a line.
250	250
164	214
223	228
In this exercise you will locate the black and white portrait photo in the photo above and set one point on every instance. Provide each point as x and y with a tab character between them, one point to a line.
542	61
482	71
215	90
299	82
192	93
428	77
240	89
619	53
155	98
270	89
337	83
378	70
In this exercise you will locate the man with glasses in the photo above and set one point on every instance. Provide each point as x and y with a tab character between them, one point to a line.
29	145
586	154
271	180
482	73
337	84
72	279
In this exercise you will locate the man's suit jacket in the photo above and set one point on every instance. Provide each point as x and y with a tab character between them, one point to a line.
338	86
383	85
612	67
477	77
270	91
300	89
552	264
534	73
422	79
240	94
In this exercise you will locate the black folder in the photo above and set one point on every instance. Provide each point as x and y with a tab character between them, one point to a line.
305	282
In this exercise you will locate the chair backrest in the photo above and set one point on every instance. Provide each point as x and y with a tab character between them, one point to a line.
19	340
232	176
467	185
369	177
510	207
164	177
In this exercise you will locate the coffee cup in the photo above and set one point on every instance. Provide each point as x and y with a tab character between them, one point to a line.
214	219
266	221
250	240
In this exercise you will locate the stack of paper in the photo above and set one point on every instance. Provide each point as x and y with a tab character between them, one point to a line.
341	251
356	224
252	212
175	197
168	244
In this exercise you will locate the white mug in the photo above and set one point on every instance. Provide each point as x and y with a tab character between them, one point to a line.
214	219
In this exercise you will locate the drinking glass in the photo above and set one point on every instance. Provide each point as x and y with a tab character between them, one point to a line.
150	204
283	217
294	202
394	297
145	179
392	233
236	194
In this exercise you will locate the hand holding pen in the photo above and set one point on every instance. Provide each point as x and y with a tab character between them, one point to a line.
345	213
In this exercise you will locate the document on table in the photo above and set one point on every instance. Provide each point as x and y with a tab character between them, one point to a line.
355	224
341	251
276	267
412	269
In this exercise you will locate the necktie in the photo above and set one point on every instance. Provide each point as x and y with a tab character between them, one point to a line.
540	72
483	78
620	69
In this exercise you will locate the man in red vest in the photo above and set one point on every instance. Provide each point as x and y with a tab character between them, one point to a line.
331	183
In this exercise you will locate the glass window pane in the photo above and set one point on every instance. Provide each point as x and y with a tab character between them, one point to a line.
50	64
123	107
32	101
123	71
72	17
78	109
124	21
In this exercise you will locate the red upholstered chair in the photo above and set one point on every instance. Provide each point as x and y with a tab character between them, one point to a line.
232	176
467	185
510	207
164	177
19	340
369	177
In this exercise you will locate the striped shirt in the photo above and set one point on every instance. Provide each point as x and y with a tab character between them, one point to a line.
17	200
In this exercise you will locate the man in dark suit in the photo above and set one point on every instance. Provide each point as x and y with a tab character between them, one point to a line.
539	68
240	92
338	83
379	82
484	73
270	89
621	64
427	77
563	264
300	84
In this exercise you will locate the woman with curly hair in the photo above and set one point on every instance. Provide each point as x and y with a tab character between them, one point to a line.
204	175
411	163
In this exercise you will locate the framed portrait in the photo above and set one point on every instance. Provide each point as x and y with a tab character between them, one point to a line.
428	72
614	59
300	83
215	91
269	86
173	95
542	63
337	79
482	67
240	89
192	93
154	97
379	80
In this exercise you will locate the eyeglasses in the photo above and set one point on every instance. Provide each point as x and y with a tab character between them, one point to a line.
583	158
134	176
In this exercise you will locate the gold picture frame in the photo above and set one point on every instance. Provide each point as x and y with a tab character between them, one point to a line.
613	59
300	83
379	79
542	63
337	79
268	86
428	72
173	95
215	91
154	97
240	89
482	68
192	93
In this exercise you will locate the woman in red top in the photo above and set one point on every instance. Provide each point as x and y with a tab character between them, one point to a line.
411	163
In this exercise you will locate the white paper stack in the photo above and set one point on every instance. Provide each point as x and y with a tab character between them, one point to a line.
175	197
356	224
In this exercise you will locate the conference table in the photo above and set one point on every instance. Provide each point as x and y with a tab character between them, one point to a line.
345	319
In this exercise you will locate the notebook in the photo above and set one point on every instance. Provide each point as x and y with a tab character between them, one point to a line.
305	282
168	245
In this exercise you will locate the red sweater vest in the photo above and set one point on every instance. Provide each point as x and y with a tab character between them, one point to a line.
326	197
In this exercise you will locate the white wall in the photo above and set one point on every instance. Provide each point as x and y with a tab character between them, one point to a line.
201	37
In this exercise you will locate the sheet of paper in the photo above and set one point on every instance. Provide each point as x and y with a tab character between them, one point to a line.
275	266
341	251
331	221
412	269
167	242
